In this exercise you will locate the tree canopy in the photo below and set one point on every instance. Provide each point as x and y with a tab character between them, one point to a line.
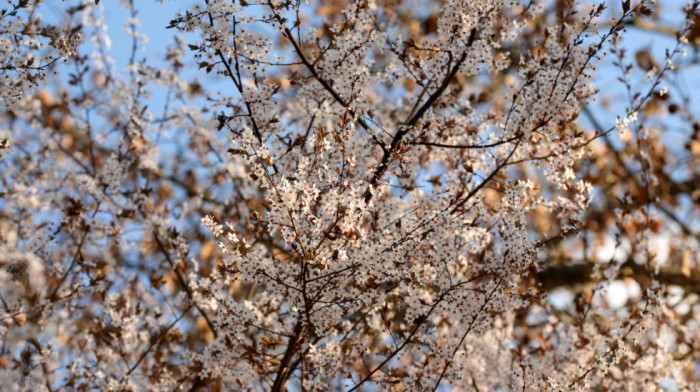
349	195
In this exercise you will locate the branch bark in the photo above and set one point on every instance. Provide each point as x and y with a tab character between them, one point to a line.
284	370
580	274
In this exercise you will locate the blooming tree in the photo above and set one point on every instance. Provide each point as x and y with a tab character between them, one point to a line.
352	195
